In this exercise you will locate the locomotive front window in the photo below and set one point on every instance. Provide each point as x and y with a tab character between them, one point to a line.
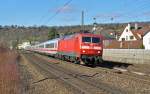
95	40
86	39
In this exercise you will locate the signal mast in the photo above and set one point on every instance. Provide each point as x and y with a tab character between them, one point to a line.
94	26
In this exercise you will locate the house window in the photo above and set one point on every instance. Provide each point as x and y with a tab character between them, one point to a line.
123	39
127	30
126	37
131	37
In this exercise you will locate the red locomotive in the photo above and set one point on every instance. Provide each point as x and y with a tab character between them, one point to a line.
84	48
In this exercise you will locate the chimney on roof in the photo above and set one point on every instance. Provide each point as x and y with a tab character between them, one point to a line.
129	26
136	26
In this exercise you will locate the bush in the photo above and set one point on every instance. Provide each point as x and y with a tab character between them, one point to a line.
142	46
52	33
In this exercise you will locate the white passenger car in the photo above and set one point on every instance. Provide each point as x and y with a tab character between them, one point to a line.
49	47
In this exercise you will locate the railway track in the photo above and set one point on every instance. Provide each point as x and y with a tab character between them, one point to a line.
82	84
124	75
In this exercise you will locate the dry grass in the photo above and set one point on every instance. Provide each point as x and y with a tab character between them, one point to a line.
9	74
31	74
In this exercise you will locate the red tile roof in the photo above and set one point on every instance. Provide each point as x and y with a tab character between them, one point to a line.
114	44
136	35
141	32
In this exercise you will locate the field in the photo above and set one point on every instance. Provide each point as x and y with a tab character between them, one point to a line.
9	73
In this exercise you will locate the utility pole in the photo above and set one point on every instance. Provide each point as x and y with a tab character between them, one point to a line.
116	36
94	26
82	21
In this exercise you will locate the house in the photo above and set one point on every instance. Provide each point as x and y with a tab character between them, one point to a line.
133	37
23	45
131	33
146	41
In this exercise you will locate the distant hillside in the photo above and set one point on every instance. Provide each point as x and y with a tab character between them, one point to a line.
12	34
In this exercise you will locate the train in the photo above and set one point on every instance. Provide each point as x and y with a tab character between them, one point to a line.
80	48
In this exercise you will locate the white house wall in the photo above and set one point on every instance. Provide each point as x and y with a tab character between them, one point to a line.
127	35
146	41
24	45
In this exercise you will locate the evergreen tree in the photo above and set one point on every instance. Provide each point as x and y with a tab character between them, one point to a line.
52	33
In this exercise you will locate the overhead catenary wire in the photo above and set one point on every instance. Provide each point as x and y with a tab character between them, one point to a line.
124	15
118	15
58	11
131	12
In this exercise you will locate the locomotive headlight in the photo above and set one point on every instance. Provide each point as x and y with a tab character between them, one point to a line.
83	51
99	52
97	48
85	47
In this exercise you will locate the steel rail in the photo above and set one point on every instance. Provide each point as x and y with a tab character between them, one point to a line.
68	74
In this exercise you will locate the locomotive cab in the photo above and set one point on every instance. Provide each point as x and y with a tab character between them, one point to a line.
91	48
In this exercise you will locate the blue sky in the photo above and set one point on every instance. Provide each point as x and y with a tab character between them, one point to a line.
38	12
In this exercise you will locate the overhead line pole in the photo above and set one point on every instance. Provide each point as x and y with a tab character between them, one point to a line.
82	21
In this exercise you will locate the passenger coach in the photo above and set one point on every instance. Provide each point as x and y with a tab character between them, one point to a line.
49	47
